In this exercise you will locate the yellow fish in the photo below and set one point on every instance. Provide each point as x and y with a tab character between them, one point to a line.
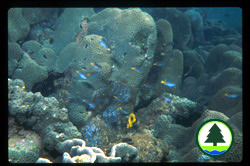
131	120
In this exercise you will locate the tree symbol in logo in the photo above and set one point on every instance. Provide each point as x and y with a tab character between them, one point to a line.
215	135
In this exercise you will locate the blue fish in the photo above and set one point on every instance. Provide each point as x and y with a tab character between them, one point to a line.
104	43
231	95
167	53
89	103
137	69
168	83
96	66
82	75
187	36
159	63
167	99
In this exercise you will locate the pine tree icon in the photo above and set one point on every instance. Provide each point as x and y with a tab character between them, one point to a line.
215	135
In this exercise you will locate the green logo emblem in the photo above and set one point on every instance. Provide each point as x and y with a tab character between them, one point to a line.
215	137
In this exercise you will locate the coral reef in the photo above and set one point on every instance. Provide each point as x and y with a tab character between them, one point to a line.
149	148
68	25
40	113
129	48
22	156
134	83
237	120
76	147
225	104
18	27
232	59
43	56
78	57
173	134
164	36
30	72
196	21
126	152
176	107
96	132
181	26
14	55
37	15
229	77
115	103
214	59
193	65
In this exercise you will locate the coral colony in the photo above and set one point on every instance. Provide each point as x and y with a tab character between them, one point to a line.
87	85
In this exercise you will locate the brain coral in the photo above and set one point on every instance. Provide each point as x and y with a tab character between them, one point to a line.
237	120
68	25
229	77
78	114
177	107
150	149
131	36
232	59
181	27
30	72
214	59
37	15
172	71
236	48
235	154
225	104
18	27
22	156
78	57
43	56
193	65
164	36
14	55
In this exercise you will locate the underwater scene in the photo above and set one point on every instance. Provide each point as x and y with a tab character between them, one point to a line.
122	85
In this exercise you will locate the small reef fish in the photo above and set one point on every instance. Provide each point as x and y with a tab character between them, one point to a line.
167	53
125	112
231	95
189	71
131	120
148	85
167	99
168	83
104	42
117	98
82	75
159	63
96	66
187	36
138	70
89	103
